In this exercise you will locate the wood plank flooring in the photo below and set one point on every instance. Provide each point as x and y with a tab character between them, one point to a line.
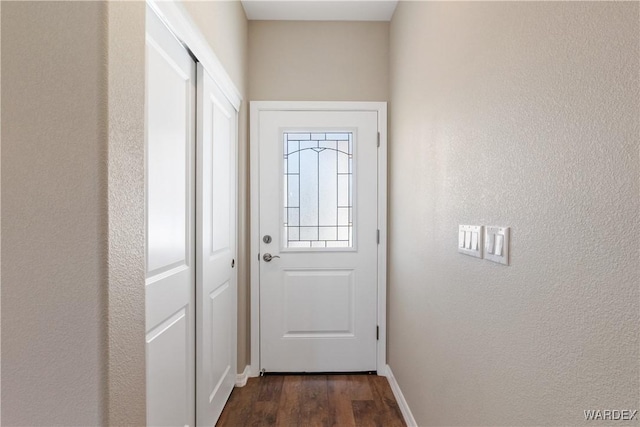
313	400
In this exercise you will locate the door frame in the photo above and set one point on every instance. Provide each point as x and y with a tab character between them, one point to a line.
254	157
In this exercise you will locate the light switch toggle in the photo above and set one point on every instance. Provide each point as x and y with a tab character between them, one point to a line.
474	240
499	244
467	240
490	243
470	240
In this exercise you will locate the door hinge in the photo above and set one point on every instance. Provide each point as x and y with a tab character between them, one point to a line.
377	333
378	236
378	139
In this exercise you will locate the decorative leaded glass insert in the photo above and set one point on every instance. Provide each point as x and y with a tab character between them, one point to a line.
318	192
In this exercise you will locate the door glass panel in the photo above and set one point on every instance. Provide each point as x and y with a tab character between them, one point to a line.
318	189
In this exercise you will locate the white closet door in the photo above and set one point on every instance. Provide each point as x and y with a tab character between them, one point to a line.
170	222
216	251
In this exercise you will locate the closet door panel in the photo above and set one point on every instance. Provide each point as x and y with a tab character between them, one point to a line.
216	251
170	228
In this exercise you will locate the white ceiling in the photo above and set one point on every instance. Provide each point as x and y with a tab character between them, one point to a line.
319	10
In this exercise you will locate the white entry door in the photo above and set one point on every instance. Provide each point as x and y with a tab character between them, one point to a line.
318	197
170	222
216	251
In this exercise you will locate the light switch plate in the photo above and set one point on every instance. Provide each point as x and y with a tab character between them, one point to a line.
470	240
496	244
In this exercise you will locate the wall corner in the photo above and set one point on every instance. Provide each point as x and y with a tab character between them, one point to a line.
126	382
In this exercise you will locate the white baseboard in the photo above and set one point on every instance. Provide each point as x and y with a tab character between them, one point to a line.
254	370
402	403
241	379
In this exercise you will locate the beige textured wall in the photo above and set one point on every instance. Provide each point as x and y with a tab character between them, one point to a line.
318	61
224	25
523	115
126	254
54	221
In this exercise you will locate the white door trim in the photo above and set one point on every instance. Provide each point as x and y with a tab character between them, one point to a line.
174	15
381	109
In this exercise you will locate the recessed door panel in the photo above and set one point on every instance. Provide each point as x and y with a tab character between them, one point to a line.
169	107
168	363
220	351
318	303
221	179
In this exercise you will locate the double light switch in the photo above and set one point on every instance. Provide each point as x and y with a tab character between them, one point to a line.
470	240
497	244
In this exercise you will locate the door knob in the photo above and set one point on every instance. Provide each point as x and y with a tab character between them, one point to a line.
269	257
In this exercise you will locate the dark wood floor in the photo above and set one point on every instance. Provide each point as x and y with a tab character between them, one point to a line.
313	400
